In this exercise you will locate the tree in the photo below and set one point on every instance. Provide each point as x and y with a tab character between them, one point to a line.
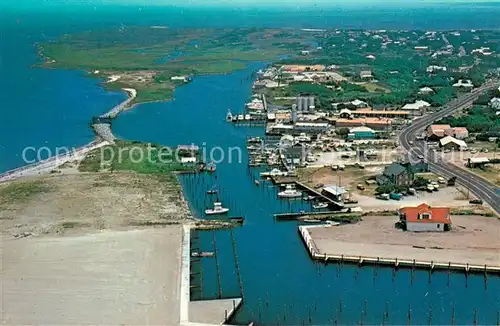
342	131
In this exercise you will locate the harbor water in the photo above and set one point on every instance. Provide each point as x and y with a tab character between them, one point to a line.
281	284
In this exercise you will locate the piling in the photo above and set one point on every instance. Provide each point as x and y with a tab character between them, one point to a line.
238	273
217	267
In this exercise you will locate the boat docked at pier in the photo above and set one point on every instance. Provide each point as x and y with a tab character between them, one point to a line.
320	205
290	192
217	209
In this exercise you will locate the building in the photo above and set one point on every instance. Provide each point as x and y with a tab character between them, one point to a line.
464	84
295	155
361	133
495	103
301	68
345	114
334	192
460	132
381	114
424	218
417	108
474	162
432	69
449	142
366	74
436	132
374	123
305	103
396	174
311	127
426	91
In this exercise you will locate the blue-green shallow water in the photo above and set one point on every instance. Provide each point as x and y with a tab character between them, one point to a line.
274	263
42	107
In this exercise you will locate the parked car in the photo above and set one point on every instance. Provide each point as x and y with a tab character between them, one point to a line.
476	201
361	187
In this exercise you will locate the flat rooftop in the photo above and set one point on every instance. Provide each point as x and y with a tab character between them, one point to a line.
474	240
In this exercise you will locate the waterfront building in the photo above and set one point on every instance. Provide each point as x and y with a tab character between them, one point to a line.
424	218
334	192
374	123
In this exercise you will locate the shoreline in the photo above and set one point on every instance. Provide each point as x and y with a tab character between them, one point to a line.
79	153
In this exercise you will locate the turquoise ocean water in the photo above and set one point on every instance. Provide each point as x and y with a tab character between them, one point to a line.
52	108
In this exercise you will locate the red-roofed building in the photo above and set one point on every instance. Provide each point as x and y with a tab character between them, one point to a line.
424	218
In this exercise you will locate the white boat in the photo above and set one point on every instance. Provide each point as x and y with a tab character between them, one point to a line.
320	205
218	209
241	117
290	192
229	116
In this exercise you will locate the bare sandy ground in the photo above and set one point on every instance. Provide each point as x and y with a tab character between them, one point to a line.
473	240
107	278
76	203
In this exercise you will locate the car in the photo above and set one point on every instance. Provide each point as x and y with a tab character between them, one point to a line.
410	142
476	201
420	157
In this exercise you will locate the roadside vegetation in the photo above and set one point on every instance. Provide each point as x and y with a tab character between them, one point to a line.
23	191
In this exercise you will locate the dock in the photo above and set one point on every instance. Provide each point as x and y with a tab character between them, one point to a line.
319	194
395	262
296	216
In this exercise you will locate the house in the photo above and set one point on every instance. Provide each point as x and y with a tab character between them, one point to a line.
495	103
380	114
334	192
424	218
186	160
436	132
449	142
432	69
460	132
426	91
361	133
396	174
180	78
465	84
358	104
474	162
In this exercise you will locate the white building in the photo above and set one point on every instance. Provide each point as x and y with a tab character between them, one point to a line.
426	90
495	103
464	84
449	142
416	108
433	68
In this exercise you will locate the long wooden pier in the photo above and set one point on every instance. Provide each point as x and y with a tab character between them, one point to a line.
388	261
319	194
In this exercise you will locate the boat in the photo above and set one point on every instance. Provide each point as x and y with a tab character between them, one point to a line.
290	192
309	198
210	167
310	220
320	205
241	117
254	140
217	210
257	182
202	254
212	190
229	116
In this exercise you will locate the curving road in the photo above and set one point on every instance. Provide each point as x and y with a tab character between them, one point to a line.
477	185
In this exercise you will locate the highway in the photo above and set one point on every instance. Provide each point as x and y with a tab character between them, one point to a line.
481	188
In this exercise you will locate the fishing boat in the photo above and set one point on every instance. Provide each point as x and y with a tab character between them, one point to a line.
254	140
309	198
257	182
290	192
229	116
320	205
217	210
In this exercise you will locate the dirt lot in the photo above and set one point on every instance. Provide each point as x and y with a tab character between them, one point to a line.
349	178
107	278
474	240
75	203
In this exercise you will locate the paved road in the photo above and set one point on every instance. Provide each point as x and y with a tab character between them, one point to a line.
478	186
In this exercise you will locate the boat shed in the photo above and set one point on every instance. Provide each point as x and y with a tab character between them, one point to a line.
334	192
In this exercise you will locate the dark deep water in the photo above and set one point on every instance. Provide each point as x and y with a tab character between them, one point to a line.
52	108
